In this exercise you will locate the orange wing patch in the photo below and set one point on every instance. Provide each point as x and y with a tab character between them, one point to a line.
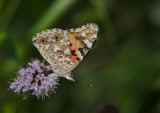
74	58
75	46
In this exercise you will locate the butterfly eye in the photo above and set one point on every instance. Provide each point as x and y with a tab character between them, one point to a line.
43	41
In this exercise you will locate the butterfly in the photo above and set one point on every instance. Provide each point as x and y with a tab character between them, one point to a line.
65	49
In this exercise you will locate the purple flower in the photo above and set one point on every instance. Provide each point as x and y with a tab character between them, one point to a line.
36	79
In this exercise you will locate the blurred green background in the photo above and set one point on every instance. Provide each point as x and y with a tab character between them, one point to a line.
123	66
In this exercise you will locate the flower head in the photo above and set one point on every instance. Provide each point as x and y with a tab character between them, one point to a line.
36	79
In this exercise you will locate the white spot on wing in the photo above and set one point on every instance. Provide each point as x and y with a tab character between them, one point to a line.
67	51
47	46
89	44
56	48
83	34
87	31
79	54
94	35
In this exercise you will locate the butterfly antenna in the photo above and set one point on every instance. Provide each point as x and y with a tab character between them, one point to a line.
83	81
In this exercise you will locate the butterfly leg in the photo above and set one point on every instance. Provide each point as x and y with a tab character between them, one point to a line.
69	76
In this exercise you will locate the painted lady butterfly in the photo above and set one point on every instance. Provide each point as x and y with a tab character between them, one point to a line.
65	49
